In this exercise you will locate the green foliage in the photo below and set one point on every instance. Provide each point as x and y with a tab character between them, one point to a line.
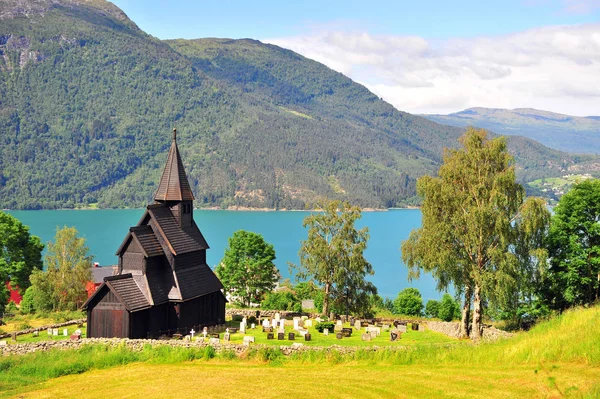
574	249
478	234
247	270
90	95
448	309
409	302
332	255
62	286
11	308
432	308
281	300
20	253
323	325
4	296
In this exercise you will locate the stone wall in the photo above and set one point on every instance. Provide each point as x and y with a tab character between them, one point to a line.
138	345
43	328
452	329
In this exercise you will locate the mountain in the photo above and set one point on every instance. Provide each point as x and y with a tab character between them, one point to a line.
88	101
568	133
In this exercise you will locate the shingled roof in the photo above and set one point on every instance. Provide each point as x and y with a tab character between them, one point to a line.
181	240
126	290
147	240
174	185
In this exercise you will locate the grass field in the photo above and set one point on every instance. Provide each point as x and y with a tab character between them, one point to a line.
558	358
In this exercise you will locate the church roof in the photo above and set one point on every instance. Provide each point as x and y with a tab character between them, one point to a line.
174	185
180	239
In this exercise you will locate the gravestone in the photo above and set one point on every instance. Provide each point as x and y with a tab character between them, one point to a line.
232	330
373	332
277	316
243	327
226	337
248	340
253	326
401	328
3	343
270	336
377	330
364	324
339	335
318	319
291	336
394	335
36	333
421	327
214	341
75	337
385	327
296	323
339	323
268	329
415	326
326	331
366	337
347	332
65	332
14	336
280	336
338	327
308	323
308	304
357	324
266	323
49	331
215	336
307	337
55	331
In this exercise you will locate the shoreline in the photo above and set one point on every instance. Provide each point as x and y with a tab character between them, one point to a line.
214	208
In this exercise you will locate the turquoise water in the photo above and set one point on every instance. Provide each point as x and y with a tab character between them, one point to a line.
104	231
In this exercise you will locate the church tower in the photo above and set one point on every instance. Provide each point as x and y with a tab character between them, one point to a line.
174	189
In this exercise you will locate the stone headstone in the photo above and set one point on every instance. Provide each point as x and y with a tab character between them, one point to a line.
303	331
253	326
291	336
268	329
385	327
75	337
243	327
326	331
36	333
377	330
3	343
227	337
296	323
215	336
308	323
307	337
232	330
214	341
266	323
49	331
247	340
270	336
347	332
65	332
308	304
339	335
401	328
415	326
421	327
365	337
373	332
394	335
14	336
187	338
339	323
280	336
318	319
55	331
357	324
364	324
338	327
277	316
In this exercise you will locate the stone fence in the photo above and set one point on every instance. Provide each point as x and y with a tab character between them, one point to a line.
31	330
452	329
138	345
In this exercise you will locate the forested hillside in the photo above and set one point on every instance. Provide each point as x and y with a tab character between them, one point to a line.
87	102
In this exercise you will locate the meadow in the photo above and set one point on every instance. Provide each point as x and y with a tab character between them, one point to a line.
558	358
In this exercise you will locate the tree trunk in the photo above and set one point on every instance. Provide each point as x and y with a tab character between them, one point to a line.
326	299
464	323
477	313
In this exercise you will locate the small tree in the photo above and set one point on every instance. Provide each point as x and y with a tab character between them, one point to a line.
333	256
431	308
68	270
409	302
247	270
20	253
448	308
574	249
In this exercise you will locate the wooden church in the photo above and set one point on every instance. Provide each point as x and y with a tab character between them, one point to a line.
163	284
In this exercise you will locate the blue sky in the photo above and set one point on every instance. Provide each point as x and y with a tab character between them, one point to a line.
423	57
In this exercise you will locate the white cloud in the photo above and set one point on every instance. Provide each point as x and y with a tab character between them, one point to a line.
554	68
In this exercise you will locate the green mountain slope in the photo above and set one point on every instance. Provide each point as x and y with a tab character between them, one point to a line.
562	132
87	102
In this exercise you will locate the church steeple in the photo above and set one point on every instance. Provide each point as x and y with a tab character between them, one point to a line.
174	185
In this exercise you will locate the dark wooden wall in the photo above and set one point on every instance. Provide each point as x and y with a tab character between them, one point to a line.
107	317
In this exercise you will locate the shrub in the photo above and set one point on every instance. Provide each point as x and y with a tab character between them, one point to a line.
449	308
409	302
282	300
432	308
325	325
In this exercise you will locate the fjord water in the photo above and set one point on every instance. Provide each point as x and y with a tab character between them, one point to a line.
104	231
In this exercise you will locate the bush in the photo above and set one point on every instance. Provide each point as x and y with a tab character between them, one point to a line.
282	300
409	302
449	308
11	308
325	325
431	308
